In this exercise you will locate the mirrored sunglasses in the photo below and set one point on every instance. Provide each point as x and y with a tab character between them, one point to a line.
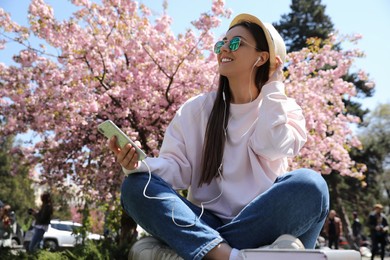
234	44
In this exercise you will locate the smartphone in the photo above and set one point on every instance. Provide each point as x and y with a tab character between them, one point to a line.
109	129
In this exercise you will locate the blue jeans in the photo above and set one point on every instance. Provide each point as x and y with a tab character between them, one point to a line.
36	239
297	204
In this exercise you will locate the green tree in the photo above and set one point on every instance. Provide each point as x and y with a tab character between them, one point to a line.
375	138
307	19
15	190
351	194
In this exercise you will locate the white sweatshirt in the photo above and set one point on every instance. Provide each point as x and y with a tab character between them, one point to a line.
261	135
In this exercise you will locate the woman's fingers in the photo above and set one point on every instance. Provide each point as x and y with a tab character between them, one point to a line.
277	75
279	62
128	157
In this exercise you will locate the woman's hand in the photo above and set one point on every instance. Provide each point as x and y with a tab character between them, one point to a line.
127	157
32	211
278	73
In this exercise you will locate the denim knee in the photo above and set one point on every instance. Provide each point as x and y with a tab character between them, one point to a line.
314	179
134	184
313	186
132	190
305	177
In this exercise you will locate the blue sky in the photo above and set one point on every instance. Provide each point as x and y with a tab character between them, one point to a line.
369	18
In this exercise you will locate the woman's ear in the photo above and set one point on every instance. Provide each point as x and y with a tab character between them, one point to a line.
263	58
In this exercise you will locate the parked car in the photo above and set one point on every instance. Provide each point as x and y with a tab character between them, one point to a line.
60	234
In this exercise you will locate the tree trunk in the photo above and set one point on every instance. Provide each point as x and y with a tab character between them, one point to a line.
347	230
333	184
128	230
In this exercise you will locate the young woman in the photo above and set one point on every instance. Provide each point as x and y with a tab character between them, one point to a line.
229	148
42	220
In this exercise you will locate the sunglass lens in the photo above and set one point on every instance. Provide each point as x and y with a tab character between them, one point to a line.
218	46
234	44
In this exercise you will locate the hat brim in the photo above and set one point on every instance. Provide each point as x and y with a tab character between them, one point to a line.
275	42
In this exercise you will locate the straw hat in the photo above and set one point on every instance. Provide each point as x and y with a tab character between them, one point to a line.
275	42
378	206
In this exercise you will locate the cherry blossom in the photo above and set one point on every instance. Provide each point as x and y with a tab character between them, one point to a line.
118	61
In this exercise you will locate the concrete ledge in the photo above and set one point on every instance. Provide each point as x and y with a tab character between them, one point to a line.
308	254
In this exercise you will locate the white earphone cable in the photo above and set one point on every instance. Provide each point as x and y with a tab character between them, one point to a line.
174	198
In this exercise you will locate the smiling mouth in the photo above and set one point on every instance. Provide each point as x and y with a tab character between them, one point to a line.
224	60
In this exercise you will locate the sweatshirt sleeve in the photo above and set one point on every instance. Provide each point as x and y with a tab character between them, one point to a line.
172	164
281	127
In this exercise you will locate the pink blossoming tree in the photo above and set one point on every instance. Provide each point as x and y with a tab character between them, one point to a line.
116	61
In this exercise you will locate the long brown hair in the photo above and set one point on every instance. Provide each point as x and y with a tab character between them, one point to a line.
214	142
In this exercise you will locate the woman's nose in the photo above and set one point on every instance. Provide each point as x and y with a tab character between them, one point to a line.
225	47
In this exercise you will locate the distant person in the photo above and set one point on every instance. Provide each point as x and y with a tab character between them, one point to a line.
42	220
378	229
356	230
333	229
5	225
